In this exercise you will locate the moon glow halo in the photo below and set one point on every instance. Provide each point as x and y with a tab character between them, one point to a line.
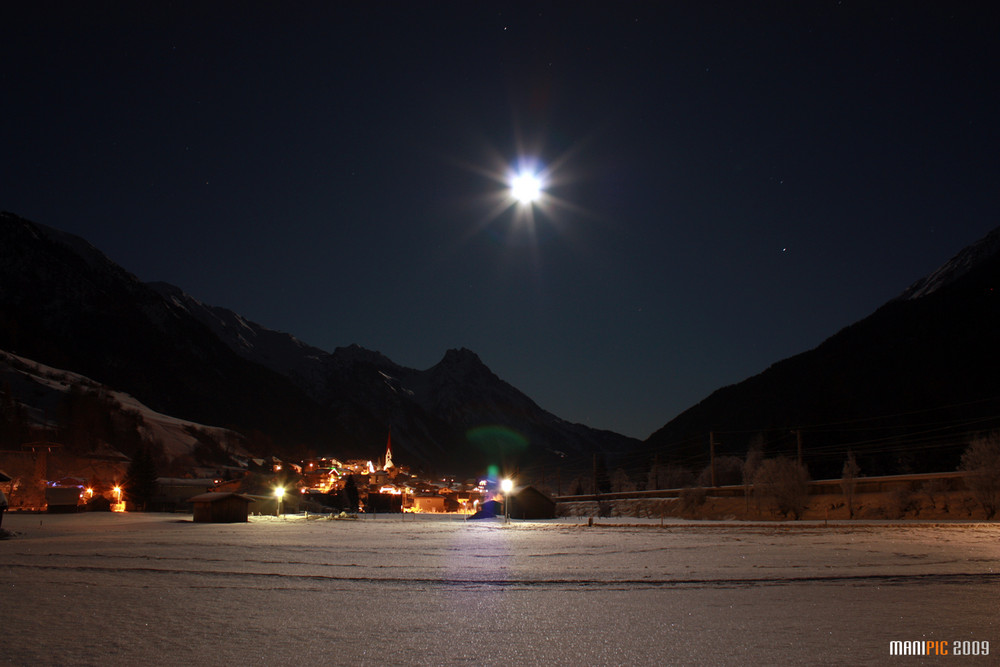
525	187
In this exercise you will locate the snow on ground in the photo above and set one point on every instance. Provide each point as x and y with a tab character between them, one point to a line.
120	589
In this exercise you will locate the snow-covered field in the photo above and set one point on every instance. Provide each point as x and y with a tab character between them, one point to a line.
100	589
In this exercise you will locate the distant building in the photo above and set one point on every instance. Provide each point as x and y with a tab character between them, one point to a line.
224	507
527	502
63	498
172	492
468	501
429	503
378	478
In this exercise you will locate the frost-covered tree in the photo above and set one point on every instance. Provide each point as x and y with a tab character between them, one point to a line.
669	476
620	481
981	463
727	472
755	454
655	473
784	484
602	481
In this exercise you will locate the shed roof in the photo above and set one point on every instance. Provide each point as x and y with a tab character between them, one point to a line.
532	491
216	496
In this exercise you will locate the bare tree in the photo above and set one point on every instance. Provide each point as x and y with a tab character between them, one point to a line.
659	475
935	489
981	463
692	499
785	484
669	476
728	472
848	482
620	481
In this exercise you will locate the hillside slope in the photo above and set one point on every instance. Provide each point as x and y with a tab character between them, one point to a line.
905	388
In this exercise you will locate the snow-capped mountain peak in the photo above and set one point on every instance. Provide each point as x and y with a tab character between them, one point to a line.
279	351
965	261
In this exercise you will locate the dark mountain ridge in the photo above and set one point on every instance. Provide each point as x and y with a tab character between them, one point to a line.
431	412
904	388
63	303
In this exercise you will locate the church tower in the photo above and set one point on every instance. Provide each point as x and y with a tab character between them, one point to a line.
389	465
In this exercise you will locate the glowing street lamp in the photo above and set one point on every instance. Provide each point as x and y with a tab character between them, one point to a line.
506	486
279	494
118	506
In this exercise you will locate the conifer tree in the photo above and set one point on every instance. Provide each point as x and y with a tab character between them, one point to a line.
140	480
351	494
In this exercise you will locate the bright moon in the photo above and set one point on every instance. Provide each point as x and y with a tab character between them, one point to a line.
526	188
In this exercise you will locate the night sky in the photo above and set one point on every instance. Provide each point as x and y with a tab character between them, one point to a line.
726	184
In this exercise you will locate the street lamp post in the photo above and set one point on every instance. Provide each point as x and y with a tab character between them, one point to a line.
506	486
119	506
279	494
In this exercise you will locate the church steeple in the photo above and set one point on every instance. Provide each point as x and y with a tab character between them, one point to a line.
389	465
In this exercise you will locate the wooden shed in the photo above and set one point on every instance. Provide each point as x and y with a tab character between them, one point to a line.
63	498
428	502
527	502
220	507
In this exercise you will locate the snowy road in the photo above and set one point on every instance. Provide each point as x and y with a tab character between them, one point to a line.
117	589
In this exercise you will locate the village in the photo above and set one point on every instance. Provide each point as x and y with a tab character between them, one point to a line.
43	477
321	485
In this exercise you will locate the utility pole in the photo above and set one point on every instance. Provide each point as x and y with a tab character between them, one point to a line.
595	474
711	454
798	443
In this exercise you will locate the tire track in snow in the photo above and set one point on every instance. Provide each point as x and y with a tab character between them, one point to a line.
961	578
